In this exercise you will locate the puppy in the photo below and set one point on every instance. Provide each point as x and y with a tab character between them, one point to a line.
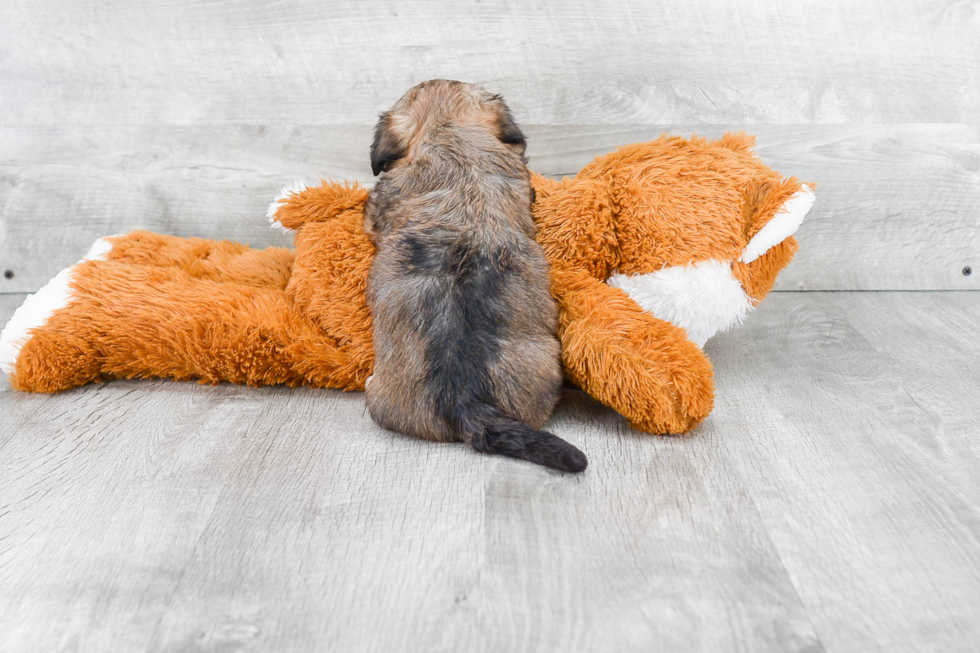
464	321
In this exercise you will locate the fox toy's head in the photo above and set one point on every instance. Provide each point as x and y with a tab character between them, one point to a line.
693	231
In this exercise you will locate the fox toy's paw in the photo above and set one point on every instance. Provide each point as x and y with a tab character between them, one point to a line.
644	368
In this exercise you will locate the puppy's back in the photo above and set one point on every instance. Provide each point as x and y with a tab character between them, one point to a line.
464	319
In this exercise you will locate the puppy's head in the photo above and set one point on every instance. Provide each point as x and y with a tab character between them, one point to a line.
438	103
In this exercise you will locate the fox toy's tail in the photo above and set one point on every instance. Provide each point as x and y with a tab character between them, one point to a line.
489	430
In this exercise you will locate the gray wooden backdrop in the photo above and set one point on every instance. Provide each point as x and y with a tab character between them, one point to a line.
186	116
830	503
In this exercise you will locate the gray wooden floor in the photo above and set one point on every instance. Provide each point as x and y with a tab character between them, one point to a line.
831	502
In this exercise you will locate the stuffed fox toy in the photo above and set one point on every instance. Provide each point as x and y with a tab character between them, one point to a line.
654	248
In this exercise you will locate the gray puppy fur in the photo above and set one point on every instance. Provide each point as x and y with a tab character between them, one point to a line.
464	320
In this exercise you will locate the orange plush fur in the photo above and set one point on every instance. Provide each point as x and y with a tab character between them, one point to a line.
666	224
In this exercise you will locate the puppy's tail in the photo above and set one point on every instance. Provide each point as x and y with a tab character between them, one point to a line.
491	431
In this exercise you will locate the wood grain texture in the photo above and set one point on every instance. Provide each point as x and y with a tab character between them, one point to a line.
284	520
854	420
596	62
896	208
9	304
829	503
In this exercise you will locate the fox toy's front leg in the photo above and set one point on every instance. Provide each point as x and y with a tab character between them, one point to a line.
644	368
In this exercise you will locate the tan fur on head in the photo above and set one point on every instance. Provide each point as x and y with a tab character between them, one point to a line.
439	102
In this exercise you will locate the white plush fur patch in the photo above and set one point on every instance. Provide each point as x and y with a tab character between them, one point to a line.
38	308
702	298
280	201
782	225
99	251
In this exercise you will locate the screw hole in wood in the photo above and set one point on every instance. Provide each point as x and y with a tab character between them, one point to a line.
8	274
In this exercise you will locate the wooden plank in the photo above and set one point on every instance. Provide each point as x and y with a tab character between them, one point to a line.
104	495
594	62
164	517
829	501
389	544
896	205
852	419
9	304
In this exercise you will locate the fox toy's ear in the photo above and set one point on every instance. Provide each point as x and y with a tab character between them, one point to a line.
387	147
296	205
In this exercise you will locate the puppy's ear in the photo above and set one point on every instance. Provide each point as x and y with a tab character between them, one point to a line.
387	147
510	133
